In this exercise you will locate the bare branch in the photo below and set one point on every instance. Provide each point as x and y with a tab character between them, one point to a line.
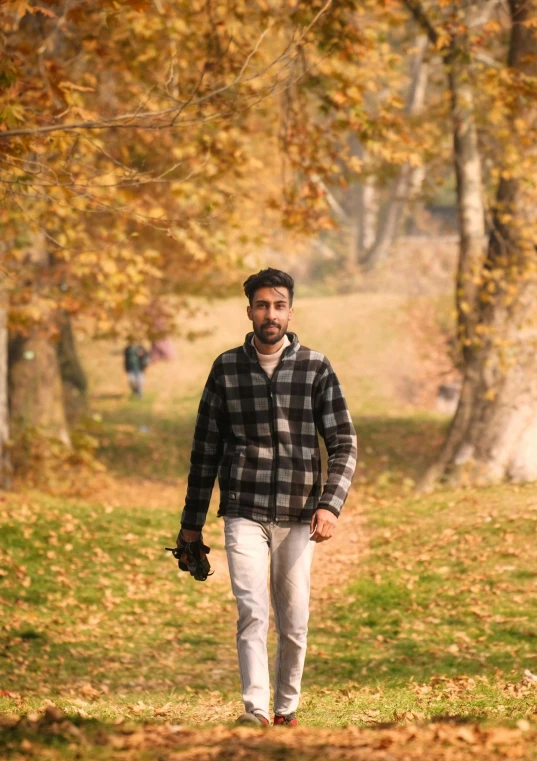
487	60
484	13
332	200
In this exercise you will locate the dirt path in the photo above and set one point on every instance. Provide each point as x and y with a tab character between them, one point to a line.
337	562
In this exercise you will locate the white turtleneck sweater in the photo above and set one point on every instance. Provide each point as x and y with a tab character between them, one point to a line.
269	362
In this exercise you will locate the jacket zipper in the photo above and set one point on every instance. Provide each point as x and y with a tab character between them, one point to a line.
275	445
273	432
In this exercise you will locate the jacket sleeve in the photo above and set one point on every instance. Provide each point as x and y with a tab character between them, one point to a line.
334	423
207	449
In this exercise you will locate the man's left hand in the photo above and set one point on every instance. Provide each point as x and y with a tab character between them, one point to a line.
323	525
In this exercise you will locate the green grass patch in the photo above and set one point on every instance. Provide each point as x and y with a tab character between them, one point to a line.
443	613
89	596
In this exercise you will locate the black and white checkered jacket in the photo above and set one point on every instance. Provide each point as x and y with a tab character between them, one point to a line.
260	436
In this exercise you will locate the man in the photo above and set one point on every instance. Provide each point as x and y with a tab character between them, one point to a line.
258	419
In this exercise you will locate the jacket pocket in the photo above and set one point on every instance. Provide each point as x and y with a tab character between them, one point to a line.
317	475
235	474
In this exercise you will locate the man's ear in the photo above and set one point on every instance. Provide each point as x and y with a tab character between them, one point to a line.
291	313
249	312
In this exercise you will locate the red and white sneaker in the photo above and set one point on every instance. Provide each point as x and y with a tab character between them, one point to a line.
289	721
253	720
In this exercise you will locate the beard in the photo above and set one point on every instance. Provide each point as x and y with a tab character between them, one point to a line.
272	337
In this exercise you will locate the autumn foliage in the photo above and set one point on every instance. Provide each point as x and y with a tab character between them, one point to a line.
126	136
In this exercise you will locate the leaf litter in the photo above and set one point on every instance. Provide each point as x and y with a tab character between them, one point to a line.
90	633
54	735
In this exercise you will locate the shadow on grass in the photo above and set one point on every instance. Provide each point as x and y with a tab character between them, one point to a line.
109	396
392	449
402	662
136	441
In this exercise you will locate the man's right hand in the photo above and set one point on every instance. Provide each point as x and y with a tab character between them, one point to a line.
188	536
192	554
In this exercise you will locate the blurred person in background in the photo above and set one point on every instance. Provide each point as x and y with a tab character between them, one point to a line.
161	323
136	362
162	350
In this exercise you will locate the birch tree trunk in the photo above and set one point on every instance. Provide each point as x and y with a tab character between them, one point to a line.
364	210
493	435
378	250
368	213
470	205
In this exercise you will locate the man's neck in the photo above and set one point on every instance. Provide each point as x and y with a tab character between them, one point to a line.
267	348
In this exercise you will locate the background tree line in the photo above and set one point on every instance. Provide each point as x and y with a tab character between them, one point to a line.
142	143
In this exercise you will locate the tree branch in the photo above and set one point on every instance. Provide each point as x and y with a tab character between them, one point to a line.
127	121
420	15
484	13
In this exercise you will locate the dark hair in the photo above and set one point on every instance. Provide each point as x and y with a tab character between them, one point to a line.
269	278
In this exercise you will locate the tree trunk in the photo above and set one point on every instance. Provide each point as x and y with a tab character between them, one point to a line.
364	208
470	207
378	250
35	387
493	435
34	378
5	471
73	377
368	208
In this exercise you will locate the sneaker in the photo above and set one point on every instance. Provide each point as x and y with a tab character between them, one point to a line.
253	719
290	720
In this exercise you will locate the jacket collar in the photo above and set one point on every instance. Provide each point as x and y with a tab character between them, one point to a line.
289	352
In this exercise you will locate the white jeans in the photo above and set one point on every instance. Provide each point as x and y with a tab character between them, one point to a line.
249	545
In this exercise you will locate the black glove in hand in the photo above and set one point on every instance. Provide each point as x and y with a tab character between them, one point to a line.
197	566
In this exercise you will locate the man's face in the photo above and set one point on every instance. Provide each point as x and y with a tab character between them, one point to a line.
270	313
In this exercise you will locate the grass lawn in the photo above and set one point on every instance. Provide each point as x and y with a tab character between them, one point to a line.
439	622
425	647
